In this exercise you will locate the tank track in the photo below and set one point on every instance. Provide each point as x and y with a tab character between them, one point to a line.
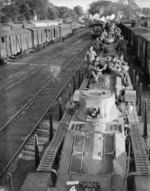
50	153
138	145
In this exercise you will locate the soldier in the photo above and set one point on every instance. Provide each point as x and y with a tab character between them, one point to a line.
90	55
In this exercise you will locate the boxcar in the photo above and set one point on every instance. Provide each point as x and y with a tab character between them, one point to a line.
38	36
142	48
125	30
53	33
4	27
27	25
15	26
14	41
65	30
74	26
134	38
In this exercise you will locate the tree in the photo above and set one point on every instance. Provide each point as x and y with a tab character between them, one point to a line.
11	13
64	12
79	10
146	11
24	9
52	12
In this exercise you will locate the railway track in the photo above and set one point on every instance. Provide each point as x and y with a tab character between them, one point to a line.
28	118
27	81
6	75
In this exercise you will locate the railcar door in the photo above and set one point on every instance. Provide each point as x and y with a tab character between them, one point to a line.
8	46
13	42
3	52
148	60
18	43
139	39
144	52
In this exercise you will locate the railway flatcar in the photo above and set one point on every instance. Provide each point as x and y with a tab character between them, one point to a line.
13	42
94	154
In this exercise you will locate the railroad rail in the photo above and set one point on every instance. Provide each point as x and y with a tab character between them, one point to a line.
35	110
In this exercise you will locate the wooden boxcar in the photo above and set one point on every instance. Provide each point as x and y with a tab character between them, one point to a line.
27	25
14	41
65	30
135	40
125	30
38	36
143	40
15	26
4	27
53	33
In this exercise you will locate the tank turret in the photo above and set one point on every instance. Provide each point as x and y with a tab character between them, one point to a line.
97	106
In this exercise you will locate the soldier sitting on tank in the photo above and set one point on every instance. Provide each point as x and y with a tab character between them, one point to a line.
72	106
100	63
115	69
95	71
93	112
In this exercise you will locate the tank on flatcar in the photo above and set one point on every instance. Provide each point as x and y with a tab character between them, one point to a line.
97	29
93	155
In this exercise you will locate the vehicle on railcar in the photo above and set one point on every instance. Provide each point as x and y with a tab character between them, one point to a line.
94	153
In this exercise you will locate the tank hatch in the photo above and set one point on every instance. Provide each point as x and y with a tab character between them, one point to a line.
92	154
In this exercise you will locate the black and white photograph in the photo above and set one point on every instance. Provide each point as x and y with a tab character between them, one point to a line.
75	95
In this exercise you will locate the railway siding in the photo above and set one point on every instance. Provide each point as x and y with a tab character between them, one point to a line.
21	128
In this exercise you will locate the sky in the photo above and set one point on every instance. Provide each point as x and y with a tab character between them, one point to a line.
85	3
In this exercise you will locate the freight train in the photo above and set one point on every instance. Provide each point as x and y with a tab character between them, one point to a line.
95	144
139	39
14	39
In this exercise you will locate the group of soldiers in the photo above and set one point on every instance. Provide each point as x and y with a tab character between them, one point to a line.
115	65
